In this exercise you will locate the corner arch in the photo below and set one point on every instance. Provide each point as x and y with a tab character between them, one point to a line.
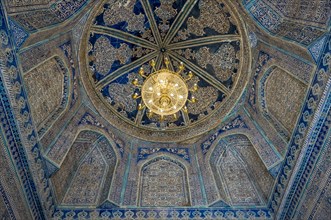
48	100
280	95
86	173
57	152
163	182
234	161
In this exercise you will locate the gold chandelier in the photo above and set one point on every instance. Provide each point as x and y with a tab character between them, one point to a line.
164	92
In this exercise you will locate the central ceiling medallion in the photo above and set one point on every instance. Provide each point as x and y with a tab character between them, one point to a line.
165	70
164	92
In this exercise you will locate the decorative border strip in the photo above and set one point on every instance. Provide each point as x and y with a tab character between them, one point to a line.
321	123
11	82
6	202
67	50
313	98
173	213
307	166
263	59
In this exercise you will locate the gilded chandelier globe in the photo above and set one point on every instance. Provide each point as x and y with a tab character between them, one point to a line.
164	92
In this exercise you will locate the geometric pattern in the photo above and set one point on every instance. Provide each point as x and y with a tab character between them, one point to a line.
278	20
316	136
232	165
286	105
19	34
86	184
49	13
97	161
163	183
123	38
86	172
316	48
47	100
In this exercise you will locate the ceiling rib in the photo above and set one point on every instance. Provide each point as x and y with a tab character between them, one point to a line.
151	19
123	36
159	61
183	14
201	73
125	69
203	41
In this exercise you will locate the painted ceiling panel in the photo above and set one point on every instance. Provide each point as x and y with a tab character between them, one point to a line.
254	145
117	47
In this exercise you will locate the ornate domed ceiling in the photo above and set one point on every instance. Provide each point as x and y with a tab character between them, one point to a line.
207	36
76	144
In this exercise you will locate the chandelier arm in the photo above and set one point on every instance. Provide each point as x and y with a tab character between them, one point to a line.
143	76
192	101
195	88
170	66
184	109
138	86
141	106
166	62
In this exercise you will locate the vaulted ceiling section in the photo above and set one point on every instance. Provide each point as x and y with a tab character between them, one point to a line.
74	144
